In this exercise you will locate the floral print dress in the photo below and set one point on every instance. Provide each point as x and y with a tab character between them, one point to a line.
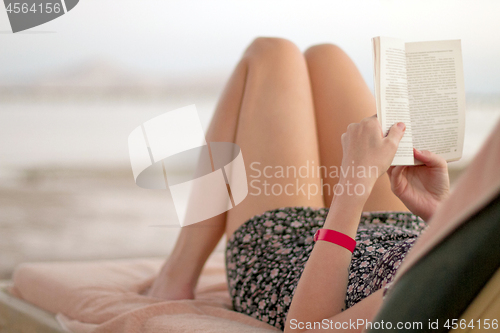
266	255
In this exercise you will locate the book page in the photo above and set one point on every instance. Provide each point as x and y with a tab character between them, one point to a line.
393	91
376	74
436	96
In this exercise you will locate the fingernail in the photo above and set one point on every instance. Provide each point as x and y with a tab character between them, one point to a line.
418	151
401	126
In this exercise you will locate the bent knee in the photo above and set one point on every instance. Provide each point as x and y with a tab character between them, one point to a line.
323	51
272	48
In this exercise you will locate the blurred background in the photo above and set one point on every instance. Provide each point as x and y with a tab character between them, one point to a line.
73	89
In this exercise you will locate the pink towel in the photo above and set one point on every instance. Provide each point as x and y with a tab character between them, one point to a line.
104	296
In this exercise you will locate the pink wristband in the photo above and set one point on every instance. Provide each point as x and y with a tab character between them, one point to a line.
335	237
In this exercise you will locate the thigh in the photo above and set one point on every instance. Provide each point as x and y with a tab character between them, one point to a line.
276	131
341	97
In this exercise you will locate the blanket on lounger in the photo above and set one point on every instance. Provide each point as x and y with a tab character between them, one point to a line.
104	296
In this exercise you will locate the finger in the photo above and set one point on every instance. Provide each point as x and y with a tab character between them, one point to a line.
397	172
397	178
396	132
373	121
429	158
389	171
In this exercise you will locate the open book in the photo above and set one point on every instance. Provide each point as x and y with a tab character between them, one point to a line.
422	85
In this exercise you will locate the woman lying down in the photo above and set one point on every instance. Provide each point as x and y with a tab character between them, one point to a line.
295	255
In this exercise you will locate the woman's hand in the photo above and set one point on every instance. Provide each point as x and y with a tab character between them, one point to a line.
367	154
422	187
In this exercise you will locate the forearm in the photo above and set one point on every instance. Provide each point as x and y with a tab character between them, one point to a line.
322	287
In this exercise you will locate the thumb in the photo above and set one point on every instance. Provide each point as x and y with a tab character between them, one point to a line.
429	158
397	179
397	173
396	133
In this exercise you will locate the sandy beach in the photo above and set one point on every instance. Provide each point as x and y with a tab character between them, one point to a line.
68	214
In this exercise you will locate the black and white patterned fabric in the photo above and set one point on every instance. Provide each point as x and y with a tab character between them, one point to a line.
266	255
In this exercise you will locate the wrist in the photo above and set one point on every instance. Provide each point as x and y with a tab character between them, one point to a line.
427	214
344	214
358	189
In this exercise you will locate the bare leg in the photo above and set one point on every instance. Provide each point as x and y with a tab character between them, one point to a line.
196	242
341	97
267	110
276	128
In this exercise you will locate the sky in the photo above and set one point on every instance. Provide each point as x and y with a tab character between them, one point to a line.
199	38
